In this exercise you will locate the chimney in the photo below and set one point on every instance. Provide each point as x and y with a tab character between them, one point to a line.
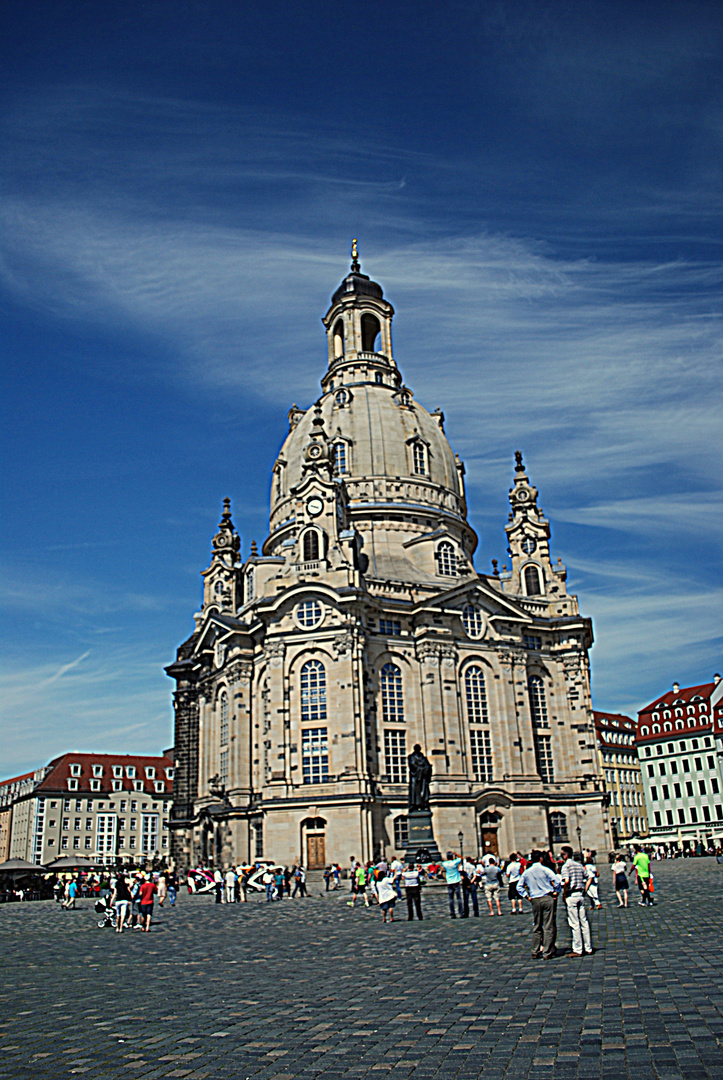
716	678
676	687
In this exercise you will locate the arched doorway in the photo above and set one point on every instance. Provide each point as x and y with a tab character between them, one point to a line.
488	832
314	832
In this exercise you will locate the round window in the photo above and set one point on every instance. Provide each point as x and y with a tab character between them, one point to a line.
529	545
309	614
341	397
473	621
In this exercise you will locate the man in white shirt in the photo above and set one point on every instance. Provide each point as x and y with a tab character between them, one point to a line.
540	886
574	884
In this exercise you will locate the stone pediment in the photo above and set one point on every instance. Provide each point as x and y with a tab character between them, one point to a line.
217	628
479	592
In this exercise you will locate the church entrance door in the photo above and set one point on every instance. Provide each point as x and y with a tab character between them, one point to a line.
315	851
489	842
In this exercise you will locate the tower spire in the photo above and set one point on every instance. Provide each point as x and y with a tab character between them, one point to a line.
355	264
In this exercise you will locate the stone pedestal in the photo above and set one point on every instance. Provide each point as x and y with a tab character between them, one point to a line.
421	846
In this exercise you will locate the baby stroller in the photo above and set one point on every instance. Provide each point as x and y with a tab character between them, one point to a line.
107	911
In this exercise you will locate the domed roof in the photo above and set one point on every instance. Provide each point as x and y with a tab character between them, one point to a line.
358	283
379	427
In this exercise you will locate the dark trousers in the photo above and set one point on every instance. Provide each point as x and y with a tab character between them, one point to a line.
455	892
644	886
470	894
219	892
544	927
414	902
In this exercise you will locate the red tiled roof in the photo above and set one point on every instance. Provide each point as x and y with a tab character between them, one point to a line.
611	719
16	779
60	773
684	695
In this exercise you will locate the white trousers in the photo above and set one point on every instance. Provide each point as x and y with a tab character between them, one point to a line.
230	890
577	919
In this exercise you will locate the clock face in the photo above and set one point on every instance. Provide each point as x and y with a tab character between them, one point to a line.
221	540
314	451
523	494
314	506
528	545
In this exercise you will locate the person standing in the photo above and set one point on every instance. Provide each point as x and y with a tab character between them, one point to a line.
279	882
593	876
172	881
267	879
574	886
230	885
620	880
121	901
641	862
387	896
513	873
540	885
218	886
146	892
469	888
299	882
397	868
413	892
359	885
453	877
492	878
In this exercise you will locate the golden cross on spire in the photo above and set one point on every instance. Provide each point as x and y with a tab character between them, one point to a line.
355	257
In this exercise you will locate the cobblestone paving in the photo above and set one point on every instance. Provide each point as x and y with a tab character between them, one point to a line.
309	988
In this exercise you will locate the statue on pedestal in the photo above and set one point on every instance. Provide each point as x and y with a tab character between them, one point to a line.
420	773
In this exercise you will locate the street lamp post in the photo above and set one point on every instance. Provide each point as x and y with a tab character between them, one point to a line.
460	837
578	830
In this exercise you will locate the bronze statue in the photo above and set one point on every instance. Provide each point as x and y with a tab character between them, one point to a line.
420	773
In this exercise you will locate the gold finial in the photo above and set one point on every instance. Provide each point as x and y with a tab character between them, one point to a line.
355	257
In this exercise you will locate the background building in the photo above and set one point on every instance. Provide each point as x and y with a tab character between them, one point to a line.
107	806
618	756
680	745
10	792
363	628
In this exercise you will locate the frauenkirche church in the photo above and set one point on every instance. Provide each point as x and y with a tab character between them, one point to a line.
362	628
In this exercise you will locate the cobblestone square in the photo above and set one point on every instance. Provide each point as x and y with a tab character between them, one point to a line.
308	988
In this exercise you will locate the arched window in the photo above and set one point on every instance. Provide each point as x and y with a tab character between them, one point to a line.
475	694
538	702
379	378
446	561
313	691
311	546
339	458
643	731
667	726
223	717
679	724
558	827
419	458
338	338
532	581
473	621
392	697
370	332
656	729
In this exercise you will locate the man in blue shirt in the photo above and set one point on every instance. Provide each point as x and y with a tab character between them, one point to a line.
454	883
540	886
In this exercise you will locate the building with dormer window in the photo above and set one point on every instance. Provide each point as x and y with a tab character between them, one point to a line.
92	805
362	627
680	746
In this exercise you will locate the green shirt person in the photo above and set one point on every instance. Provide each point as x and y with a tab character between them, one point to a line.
641	862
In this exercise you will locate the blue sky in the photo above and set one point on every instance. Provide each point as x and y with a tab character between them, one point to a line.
538	189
